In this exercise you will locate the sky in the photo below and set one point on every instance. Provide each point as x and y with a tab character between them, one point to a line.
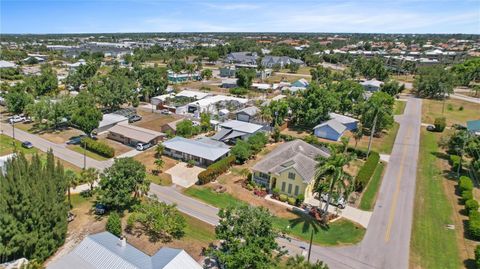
354	16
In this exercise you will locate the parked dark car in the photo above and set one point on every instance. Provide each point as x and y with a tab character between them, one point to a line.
75	140
431	128
100	209
134	118
27	144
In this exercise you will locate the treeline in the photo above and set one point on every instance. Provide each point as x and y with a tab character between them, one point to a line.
33	208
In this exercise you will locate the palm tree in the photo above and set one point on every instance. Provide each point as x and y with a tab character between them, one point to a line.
159	163
358	134
159	150
331	170
72	182
266	114
89	176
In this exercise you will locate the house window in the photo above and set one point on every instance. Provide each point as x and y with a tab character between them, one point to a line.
291	175
296	190
289	188
283	186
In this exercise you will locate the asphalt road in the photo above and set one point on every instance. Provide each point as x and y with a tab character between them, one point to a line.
387	241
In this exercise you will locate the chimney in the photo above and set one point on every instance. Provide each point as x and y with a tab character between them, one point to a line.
122	241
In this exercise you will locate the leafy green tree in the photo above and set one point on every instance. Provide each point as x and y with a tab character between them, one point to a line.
320	74
467	72
86	116
114	90
350	95
245	77
433	82
247	238
279	111
241	151
82	74
370	68
205	122
33	207
121	184
392	87
312	106
17	100
153	81
46	83
257	142
114	224
186	128
299	262
293	67
160	221
207	74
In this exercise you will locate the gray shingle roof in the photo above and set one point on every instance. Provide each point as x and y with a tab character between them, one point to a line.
241	126
250	111
297	154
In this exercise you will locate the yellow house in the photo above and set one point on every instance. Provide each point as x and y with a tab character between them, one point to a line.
290	168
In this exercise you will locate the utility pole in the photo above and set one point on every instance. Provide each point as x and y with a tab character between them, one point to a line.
372	131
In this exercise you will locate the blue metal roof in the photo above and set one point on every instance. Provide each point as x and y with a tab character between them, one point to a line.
473	125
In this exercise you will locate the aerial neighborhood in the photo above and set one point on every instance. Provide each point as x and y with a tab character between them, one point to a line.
239	150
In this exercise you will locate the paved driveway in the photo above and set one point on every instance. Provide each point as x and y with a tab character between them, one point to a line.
184	176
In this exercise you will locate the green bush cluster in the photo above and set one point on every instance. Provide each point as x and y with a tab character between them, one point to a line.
299	200
245	149
367	170
215	169
291	200
311	139
440	124
98	147
283	197
465	184
474	224
467	195
238	91
114	224
471	205
454	162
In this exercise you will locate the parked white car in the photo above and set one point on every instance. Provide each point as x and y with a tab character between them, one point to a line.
16	119
340	202
143	146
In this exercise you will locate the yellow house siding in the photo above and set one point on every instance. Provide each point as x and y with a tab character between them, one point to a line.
288	184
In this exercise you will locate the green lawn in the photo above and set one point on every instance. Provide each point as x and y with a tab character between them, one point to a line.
370	194
399	107
6	146
220	200
456	111
89	154
78	200
199	230
161	180
339	232
432	245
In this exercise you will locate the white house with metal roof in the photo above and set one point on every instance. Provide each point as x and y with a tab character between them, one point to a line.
108	121
7	64
232	130
203	151
105	250
372	85
349	122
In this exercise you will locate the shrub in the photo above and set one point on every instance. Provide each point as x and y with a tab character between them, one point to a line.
275	192
367	170
474	224
215	169
467	195
98	147
455	162
460	108
450	107
238	91
471	205
291	200
114	224
465	183
300	199
283	198
477	256
440	124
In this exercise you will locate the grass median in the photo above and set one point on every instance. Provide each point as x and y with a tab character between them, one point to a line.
432	244
399	107
370	194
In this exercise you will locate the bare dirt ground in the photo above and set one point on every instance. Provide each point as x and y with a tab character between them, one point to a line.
55	136
154	121
148	159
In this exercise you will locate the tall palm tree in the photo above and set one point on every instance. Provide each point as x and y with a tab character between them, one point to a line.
72	182
358	134
331	170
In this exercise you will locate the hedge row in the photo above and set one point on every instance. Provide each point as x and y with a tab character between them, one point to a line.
215	169
98	147
474	224
465	187
367	170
